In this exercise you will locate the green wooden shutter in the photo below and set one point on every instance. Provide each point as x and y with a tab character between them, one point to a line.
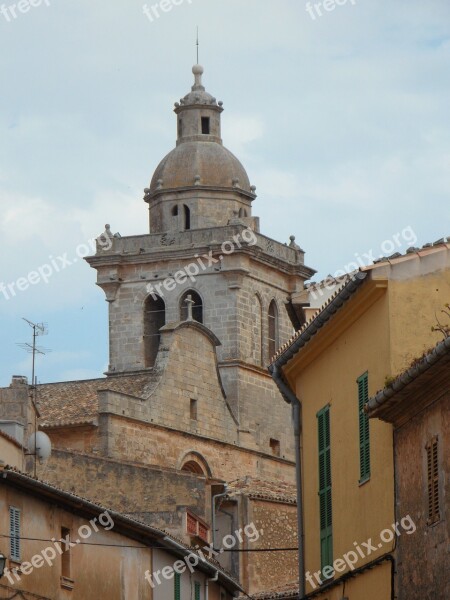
177	586
326	533
197	590
364	437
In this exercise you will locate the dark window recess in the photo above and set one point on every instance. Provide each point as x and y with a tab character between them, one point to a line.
205	125
154	319
175	211
193	409
275	446
273	328
65	548
192	467
187	217
180	127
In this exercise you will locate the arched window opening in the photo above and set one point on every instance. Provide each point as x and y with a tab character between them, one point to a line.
196	303
187	217
273	328
257	320
175	211
192	467
154	319
242	212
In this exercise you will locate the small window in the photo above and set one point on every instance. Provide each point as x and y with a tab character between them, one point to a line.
193	409
154	319
14	533
364	434
275	446
187	217
205	125
65	549
177	586
242	212
175	211
273	328
197	590
433	481
180	128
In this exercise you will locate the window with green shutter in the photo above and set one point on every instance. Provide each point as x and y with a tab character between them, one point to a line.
364	437
325	508
197	589
177	586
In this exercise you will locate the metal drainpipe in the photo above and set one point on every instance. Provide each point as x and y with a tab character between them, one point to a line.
213	514
296	417
215	578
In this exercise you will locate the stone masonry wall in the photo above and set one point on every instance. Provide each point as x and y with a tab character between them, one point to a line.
423	555
155	495
150	444
278	522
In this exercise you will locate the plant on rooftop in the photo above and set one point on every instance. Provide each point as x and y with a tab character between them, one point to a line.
442	328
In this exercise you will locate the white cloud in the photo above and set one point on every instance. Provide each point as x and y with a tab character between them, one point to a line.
341	122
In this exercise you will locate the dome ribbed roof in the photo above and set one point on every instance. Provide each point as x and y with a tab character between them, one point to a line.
202	164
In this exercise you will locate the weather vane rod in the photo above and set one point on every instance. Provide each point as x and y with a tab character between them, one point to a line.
197	45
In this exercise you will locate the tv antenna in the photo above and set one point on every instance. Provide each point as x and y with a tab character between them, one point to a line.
38	442
38	330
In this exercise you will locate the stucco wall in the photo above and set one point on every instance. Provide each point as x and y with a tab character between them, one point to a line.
114	573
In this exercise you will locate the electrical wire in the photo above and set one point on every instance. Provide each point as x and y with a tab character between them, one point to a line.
205	548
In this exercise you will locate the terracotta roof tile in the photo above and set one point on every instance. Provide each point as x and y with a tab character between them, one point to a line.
273	491
286	591
76	402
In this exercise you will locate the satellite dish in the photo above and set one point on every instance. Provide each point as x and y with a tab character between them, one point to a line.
39	444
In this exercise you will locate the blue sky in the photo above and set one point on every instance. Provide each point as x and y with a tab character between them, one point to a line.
342	122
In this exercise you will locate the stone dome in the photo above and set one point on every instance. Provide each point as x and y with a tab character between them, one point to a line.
202	164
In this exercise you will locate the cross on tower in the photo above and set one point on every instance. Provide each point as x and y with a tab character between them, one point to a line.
189	303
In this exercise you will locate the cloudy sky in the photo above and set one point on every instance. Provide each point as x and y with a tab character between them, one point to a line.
342	121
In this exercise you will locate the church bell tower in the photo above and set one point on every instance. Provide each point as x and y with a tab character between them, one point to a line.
205	247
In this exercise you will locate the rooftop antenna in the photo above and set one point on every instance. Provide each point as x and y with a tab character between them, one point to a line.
38	330
197	45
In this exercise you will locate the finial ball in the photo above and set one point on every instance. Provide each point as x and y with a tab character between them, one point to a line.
197	70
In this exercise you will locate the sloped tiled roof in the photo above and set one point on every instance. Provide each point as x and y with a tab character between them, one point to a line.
48	491
76	402
317	319
282	592
261	489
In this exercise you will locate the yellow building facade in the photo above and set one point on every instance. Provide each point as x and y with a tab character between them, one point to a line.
370	329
